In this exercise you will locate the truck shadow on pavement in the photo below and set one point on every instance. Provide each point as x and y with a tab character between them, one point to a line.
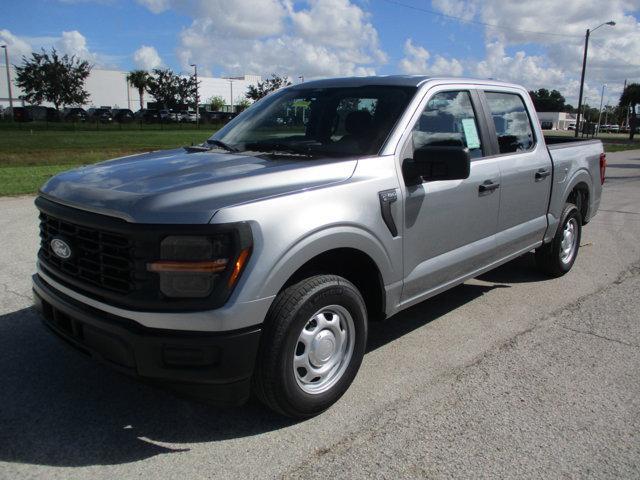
60	408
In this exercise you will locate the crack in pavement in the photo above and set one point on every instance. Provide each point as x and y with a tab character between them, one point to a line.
575	330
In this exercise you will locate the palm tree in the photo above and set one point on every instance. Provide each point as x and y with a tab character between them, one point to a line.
139	79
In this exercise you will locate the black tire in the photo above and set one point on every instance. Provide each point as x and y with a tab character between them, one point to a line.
274	380
549	256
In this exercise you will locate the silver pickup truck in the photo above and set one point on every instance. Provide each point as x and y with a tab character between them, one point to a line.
253	263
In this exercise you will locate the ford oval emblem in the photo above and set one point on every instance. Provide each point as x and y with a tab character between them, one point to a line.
60	248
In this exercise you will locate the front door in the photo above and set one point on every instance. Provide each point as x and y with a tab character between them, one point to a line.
449	226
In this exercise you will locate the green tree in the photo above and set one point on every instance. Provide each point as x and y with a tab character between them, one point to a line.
48	77
629	98
164	86
186	91
242	104
548	101
139	79
217	103
256	92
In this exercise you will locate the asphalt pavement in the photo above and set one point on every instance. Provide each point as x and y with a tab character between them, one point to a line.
511	375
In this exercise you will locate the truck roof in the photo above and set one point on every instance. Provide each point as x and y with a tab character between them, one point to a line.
396	80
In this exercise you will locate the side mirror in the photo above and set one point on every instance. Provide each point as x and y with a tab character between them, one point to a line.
432	163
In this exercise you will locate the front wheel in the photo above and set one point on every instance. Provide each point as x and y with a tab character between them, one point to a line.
557	257
313	343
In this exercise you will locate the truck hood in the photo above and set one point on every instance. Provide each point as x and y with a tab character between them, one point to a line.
173	186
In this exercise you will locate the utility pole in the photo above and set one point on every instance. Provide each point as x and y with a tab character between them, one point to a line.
600	114
195	68
231	85
584	68
6	63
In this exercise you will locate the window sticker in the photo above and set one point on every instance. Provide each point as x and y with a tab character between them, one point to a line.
471	133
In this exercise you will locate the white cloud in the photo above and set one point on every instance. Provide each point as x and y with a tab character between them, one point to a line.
17	46
416	62
70	43
320	38
74	43
614	52
147	58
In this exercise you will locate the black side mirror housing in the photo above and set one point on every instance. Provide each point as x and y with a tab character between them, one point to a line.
432	163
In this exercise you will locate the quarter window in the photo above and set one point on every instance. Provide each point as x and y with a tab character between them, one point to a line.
449	120
512	122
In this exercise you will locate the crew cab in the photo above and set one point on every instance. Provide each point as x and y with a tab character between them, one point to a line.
253	263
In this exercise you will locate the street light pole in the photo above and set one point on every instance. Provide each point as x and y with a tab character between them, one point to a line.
195	68
600	114
231	102
6	63
584	68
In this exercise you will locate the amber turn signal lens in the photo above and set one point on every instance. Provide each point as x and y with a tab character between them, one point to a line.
237	268
207	266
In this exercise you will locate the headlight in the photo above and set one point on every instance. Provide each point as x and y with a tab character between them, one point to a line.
195	266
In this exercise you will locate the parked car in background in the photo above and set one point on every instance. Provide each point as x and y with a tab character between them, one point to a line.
166	116
74	114
147	115
255	261
614	129
572	126
122	115
18	114
188	116
102	114
216	117
546	125
39	113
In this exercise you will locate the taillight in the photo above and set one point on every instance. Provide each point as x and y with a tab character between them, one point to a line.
603	166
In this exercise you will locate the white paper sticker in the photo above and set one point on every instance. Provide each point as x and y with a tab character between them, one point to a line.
471	133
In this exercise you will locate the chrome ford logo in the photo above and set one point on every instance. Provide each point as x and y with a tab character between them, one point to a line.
60	248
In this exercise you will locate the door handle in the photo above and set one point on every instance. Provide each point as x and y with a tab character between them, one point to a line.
488	186
542	174
387	197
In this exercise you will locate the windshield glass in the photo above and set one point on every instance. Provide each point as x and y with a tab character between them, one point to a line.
318	121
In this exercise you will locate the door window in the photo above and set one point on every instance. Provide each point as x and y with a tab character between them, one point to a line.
512	122
449	120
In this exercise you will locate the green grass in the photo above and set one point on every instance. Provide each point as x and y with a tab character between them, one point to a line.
31	153
28	157
612	142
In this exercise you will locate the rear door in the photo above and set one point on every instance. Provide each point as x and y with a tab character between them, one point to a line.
525	171
449	226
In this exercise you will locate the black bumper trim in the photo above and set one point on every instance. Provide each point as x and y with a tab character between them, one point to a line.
215	365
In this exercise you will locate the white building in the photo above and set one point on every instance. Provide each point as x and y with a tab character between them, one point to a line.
557	120
110	88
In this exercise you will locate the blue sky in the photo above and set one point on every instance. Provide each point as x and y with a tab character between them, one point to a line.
319	38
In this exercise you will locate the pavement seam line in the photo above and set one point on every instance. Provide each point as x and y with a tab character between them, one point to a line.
575	330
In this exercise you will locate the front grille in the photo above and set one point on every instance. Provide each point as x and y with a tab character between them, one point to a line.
100	258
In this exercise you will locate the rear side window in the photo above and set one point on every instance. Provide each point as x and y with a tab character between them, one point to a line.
449	120
512	122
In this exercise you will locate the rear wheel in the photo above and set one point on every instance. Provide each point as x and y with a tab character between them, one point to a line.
557	257
312	346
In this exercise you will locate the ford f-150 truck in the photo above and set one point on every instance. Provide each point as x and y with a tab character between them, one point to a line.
253	263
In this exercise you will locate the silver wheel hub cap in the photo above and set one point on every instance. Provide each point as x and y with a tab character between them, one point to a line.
324	349
569	241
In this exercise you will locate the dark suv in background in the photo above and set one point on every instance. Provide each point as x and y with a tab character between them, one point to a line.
103	115
74	114
122	115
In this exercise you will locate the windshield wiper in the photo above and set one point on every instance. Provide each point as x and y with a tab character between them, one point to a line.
221	144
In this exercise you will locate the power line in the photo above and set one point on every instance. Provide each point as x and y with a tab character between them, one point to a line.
477	22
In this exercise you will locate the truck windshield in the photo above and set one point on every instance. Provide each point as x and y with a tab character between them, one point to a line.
336	121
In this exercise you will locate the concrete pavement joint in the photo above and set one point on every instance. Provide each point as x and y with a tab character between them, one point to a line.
609	339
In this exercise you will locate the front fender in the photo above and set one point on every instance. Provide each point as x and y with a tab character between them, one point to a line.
321	241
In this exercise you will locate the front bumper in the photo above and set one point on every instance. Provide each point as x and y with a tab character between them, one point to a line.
217	366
